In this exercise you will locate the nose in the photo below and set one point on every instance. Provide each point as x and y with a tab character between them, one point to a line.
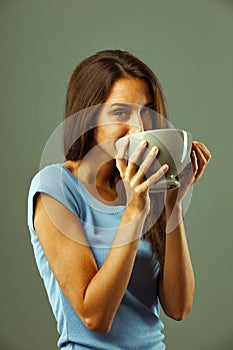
136	124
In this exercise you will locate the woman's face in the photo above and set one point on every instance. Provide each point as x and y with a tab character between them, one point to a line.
127	110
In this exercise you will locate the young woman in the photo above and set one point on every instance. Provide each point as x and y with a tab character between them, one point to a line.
100	238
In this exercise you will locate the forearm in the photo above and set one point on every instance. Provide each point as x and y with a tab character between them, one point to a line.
95	294
176	285
107	287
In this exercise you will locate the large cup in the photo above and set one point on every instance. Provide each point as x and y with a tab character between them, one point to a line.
174	149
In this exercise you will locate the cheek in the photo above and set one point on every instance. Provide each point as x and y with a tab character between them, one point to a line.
111	132
115	132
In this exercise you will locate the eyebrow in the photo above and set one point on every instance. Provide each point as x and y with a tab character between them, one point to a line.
120	104
129	104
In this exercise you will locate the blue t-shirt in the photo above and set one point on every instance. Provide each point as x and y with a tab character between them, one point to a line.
136	324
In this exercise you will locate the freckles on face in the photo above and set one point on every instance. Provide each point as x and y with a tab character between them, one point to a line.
120	114
130	90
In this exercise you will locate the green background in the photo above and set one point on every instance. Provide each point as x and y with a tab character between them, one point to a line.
189	45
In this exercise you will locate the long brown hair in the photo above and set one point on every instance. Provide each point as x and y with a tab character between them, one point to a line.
90	85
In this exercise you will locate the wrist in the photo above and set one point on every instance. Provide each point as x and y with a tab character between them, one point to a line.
132	213
174	217
174	208
130	228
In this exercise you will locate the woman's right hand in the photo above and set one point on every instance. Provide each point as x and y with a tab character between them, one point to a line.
132	173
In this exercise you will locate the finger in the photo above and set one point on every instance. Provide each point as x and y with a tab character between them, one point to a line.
203	148
146	164
201	162
122	147
144	186
121	162
194	164
134	160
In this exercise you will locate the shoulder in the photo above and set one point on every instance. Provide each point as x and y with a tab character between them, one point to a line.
49	175
54	177
55	181
48	180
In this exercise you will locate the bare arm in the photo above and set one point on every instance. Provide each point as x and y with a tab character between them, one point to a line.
176	284
94	293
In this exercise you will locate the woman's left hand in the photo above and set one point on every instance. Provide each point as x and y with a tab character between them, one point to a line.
200	157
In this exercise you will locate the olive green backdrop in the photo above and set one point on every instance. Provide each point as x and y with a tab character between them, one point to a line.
189	45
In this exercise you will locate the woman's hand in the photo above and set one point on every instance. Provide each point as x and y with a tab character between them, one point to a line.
133	174
200	156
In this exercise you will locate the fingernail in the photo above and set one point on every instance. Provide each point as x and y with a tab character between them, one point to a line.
154	149
165	167
143	142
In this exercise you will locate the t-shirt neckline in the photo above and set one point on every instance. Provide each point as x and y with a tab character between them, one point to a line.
90	198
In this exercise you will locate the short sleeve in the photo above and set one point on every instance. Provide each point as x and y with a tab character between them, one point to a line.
55	182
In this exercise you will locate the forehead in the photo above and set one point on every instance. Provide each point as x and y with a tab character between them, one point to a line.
130	90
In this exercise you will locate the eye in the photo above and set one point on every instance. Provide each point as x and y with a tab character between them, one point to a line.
147	115
121	113
147	112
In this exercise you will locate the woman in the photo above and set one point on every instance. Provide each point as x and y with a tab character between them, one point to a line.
100	238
